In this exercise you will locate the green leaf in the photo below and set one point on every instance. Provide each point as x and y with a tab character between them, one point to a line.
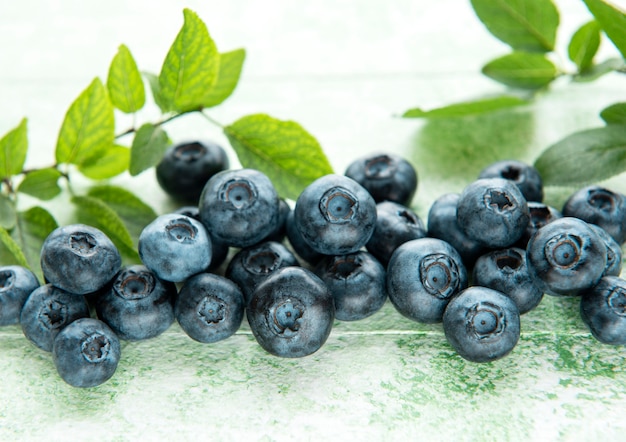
231	64
7	212
614	114
134	213
153	81
598	70
612	21
283	150
32	228
88	127
149	145
526	25
13	148
584	157
522	70
12	249
95	212
124	82
42	183
584	45
107	163
191	66
467	108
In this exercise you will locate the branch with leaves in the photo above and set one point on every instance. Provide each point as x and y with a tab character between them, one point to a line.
529	28
194	77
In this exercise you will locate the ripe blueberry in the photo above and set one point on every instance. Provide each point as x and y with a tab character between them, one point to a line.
16	284
482	324
138	305
239	207
175	247
209	307
291	313
387	177
603	309
335	215
79	259
422	276
525	177
186	167
86	353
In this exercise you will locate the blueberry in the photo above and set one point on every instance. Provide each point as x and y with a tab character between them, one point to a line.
86	353
442	224
540	215
79	259
335	215
138	305
493	212
291	313
506	271
357	283
47	311
566	256
613	252
186	167
525	177
482	324
600	206
16	284
209	307
175	247
252	265
387	177
298	244
239	207
219	251
422	276
395	225
603	310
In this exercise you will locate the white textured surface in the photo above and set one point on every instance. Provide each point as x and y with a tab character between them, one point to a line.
342	69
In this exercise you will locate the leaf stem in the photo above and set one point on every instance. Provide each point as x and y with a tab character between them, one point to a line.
158	123
211	119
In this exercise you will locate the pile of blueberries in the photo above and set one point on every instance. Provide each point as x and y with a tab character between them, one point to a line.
345	246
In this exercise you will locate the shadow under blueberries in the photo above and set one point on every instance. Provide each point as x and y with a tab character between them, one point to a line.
455	150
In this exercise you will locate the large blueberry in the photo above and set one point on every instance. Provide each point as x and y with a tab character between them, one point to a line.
252	265
493	212
505	270
291	313
525	177
86	353
387	177
240	207
79	259
603	309
566	256
335	215
357	283
395	225
601	206
175	247
47	311
443	224
209	308
422	276
16	284
138	305
482	324
186	167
